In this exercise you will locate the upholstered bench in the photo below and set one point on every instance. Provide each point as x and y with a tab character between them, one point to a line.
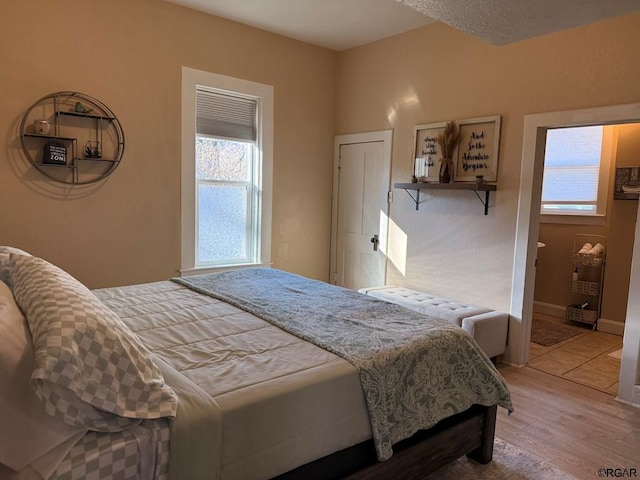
488	327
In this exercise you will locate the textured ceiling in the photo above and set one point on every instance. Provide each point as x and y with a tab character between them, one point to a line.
343	24
504	21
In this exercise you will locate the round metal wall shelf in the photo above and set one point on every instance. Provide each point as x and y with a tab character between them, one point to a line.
72	138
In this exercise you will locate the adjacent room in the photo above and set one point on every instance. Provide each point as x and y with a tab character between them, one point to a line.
580	299
175	175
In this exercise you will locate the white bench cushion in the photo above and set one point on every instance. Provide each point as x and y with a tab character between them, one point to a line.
488	327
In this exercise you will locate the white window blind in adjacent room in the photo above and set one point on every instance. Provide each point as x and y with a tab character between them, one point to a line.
572	171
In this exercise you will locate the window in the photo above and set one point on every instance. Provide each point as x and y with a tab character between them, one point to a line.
226	172
228	190
576	167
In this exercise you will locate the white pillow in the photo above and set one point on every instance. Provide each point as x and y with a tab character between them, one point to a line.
28	431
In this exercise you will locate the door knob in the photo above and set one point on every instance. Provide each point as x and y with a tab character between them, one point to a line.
375	240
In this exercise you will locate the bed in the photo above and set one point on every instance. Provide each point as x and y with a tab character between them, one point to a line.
238	393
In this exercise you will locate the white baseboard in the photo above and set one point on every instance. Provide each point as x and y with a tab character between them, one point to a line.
550	309
635	399
517	365
610	326
604	325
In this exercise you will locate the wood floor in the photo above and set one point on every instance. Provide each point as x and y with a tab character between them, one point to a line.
577	428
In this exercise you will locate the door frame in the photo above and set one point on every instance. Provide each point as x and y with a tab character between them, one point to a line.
384	136
526	238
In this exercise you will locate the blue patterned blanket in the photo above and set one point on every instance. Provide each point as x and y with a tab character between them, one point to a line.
415	370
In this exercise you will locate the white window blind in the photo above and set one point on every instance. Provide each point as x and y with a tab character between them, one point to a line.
572	168
225	116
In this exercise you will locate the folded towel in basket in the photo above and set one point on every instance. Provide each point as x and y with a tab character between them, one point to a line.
631	188
586	248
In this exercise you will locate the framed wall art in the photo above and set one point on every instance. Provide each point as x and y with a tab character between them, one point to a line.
426	151
627	185
478	146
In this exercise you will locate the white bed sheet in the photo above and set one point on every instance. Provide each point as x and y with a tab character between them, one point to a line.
284	401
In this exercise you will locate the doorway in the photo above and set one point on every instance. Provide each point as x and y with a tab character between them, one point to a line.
362	167
580	300
527	238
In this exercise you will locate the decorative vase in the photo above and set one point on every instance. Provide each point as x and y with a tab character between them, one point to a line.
42	127
445	171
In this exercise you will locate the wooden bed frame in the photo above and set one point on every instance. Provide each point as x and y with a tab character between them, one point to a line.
468	433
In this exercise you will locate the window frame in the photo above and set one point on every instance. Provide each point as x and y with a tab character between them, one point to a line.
599	217
263	94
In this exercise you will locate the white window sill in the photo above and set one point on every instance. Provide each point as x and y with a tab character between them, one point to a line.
222	268
573	219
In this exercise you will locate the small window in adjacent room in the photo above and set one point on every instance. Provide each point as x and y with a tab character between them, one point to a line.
576	171
226	172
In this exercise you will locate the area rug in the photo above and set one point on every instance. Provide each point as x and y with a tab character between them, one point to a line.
546	333
509	463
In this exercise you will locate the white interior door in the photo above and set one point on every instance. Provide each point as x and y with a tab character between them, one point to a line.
362	214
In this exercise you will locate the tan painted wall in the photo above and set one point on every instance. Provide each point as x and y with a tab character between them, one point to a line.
553	273
129	55
436	73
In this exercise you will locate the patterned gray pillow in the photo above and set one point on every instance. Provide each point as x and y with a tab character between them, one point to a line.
90	368
17	251
5	251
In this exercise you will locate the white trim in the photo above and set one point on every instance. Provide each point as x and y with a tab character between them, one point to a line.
629	389
550	309
264	93
608	154
526	238
595	219
385	136
635	398
203	270
610	326
604	325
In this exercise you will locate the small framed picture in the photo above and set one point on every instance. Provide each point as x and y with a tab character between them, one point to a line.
426	151
54	153
478	146
627	185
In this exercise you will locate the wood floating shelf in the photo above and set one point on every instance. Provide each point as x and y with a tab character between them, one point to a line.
474	187
86	115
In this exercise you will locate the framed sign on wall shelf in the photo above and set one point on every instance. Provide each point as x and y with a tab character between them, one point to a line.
426	151
478	146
